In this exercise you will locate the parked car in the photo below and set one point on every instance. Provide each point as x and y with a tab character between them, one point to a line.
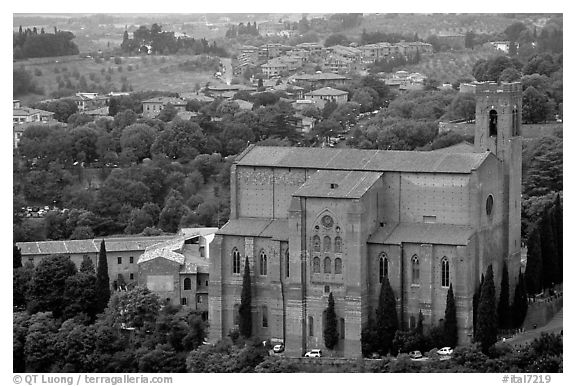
278	348
415	354
445	351
316	353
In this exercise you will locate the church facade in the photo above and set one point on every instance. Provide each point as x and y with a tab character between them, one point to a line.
317	221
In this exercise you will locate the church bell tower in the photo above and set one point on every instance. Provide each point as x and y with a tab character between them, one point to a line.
498	121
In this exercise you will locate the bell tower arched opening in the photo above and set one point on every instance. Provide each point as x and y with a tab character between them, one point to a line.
493	123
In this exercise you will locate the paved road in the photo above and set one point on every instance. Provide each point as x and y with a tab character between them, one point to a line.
227	75
553	326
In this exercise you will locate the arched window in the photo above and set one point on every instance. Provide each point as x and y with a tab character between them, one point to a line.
327	265
493	123
338	265
235	261
187	284
327	244
287	263
338	244
515	123
383	271
415	270
445	272
316	243
310	326
263	263
316	265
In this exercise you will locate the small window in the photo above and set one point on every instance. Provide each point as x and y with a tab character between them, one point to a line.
445	272
206	283
263	263
202	253
489	204
316	265
310	326
412	322
429	219
326	289
131	259
415	270
383	269
327	265
235	261
183	301
287	263
199	299
119	260
342	329
264	316
131	276
338	265
187	284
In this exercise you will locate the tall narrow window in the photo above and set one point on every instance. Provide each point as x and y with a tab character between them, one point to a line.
338	265
235	261
445	272
514	121
327	244
338	244
327	265
187	284
415	270
493	123
310	326
316	243
263	263
383	271
342	329
316	265
287	263
264	316
236	314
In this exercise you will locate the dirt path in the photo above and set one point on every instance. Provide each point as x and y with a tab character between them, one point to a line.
555	325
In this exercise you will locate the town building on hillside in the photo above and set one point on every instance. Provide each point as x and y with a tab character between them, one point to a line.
328	94
89	101
318	80
23	117
152	107
314	221
270	28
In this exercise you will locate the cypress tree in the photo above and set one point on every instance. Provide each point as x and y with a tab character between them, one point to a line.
102	280
475	300
487	323
331	329
16	257
558	231
548	250
504	302
450	323
245	310
520	302
533	274
386	319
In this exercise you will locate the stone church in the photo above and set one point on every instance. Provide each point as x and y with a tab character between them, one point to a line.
313	221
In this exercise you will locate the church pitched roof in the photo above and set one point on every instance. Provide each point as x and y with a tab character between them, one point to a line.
277	229
462	147
446	234
362	160
338	184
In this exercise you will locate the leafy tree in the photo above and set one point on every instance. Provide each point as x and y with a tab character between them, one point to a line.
245	309
137	308
558	229
326	128
487	320
504	315
520	302
336	39
463	106
172	213
87	266
21	279
331	329
40	338
168	113
139	220
545	170
450	323
48	283
102	281
82	233
138	138
535	107
80	295
386	318
180	139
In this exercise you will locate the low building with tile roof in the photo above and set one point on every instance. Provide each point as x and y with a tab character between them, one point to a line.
328	94
313	222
